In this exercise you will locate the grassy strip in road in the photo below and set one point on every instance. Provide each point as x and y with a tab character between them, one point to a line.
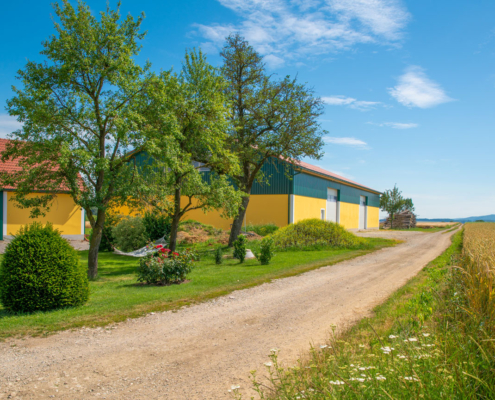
399	353
430	230
116	296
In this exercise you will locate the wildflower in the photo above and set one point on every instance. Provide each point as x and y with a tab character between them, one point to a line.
402	357
411	378
361	345
268	364
362	368
381	378
413	339
393	337
323	346
235	387
274	350
337	383
426	334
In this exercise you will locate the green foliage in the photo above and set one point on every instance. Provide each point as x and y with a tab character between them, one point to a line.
190	224
165	267
218	256
269	117
392	202
157	225
41	271
314	233
240	248
107	238
81	109
191	107
266	251
262	229
130	234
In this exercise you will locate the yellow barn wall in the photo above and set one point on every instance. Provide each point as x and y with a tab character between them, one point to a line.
373	217
349	215
262	209
308	207
64	214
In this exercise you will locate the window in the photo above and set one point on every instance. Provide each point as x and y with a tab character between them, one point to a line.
323	214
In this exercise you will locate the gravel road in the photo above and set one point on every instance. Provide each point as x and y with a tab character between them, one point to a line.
200	351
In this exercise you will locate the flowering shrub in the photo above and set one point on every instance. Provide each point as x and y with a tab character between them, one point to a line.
165	266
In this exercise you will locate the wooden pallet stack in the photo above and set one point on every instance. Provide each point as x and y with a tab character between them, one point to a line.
403	220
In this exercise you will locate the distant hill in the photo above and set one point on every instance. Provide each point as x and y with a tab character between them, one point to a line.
487	218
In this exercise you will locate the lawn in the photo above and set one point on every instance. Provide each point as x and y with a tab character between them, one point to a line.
116	295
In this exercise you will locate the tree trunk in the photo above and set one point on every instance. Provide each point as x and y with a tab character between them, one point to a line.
238	220
175	220
94	245
391	221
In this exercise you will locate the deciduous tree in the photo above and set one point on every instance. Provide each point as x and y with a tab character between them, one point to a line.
393	203
269	118
81	112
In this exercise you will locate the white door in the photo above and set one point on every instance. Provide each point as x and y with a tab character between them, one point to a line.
332	205
362	212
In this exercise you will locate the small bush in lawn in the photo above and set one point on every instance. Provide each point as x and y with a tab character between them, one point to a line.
165	267
262	230
157	225
266	252
314	233
240	248
41	271
218	256
130	234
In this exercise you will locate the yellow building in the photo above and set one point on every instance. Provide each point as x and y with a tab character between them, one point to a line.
64	214
305	191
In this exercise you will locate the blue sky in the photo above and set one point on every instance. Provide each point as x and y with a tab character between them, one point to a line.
409	85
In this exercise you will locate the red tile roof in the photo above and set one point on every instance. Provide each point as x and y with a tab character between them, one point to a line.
12	166
322	171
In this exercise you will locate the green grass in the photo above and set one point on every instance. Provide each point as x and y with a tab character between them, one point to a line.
411	348
115	296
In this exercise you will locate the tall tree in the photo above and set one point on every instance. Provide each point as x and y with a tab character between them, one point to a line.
393	203
192	108
81	112
270	118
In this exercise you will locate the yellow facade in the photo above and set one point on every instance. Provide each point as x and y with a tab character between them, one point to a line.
349	215
64	214
262	209
308	207
373	217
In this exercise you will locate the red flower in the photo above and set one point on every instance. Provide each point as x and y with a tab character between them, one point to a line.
175	254
163	250
159	246
167	250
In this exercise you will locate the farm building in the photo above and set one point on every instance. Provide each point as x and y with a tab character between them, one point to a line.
64	214
303	191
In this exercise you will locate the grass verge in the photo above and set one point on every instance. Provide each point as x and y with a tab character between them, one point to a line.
413	347
115	296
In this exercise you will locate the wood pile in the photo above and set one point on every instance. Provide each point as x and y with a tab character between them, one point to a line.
403	220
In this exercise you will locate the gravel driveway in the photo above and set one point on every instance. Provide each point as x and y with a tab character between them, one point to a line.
200	351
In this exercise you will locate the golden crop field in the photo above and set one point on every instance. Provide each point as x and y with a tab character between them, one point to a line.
478	269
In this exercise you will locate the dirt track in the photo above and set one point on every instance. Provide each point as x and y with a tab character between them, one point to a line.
200	351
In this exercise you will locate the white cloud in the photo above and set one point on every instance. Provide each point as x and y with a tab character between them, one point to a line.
396	125
8	125
348	141
415	89
351	102
298	29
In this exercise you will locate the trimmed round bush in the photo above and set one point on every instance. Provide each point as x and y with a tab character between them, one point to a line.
314	233
41	271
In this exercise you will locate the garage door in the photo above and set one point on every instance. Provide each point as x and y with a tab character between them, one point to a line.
362	212
332	205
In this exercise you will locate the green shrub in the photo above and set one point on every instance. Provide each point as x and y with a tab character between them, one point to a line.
266	252
157	225
41	271
218	255
107	237
240	248
262	230
130	234
314	233
165	267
